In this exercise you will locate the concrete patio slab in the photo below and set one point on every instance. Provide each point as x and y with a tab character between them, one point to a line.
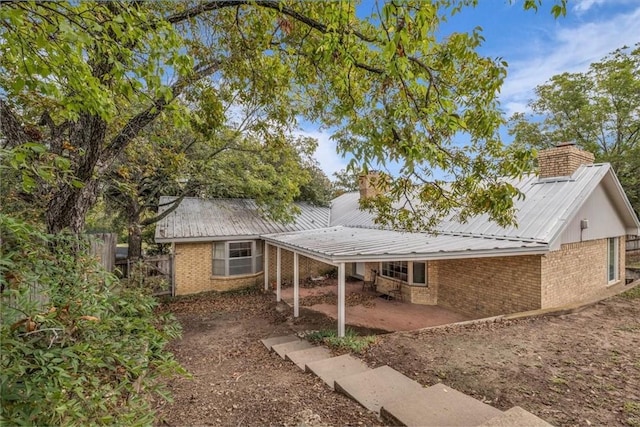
287	347
516	416
270	342
302	357
377	387
437	405
329	370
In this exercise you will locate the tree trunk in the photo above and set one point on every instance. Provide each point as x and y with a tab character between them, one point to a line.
135	242
68	207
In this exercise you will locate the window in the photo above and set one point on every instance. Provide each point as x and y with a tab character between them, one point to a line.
236	258
400	270
419	273
612	259
395	270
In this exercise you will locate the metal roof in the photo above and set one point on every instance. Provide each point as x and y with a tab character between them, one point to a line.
343	244
547	206
198	219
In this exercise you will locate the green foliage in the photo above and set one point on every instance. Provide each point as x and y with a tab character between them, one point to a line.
85	78
77	348
351	340
344	181
633	293
598	110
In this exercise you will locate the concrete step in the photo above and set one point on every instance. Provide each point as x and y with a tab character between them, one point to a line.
377	387
287	347
437	405
270	342
329	370
302	357
516	416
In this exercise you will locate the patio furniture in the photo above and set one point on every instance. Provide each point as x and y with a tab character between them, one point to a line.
396	292
370	285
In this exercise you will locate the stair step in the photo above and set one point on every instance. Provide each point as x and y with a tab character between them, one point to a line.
302	357
375	388
270	342
437	405
288	347
516	416
329	370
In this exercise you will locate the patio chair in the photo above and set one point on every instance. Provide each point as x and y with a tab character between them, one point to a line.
396	292
371	283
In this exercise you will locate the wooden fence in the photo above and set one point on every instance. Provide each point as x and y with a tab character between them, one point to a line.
155	272
103	247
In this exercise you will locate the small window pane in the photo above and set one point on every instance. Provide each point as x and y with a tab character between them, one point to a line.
239	250
218	250
259	263
240	266
218	267
419	276
612	260
396	270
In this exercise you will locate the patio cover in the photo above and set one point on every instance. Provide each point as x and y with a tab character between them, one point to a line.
339	245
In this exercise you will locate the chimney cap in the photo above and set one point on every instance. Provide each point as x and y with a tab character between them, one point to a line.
565	144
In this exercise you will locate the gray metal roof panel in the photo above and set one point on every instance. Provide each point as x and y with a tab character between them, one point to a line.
197	218
345	243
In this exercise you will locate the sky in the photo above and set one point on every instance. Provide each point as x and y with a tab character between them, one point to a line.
535	45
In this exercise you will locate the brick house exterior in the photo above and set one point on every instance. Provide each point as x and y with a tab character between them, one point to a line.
570	244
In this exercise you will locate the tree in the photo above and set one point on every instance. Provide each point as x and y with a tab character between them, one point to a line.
318	190
83	79
599	110
345	181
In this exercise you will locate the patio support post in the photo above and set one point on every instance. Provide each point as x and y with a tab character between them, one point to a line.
296	286
278	274
341	292
266	266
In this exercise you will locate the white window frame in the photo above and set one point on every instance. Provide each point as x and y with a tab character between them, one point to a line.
410	279
613	276
257	257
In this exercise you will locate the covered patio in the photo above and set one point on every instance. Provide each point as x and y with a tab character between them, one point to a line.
341	246
369	309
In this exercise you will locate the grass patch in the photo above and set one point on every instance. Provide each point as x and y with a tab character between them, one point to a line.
632	409
351	340
633	293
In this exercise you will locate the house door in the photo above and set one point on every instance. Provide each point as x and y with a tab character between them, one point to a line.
359	269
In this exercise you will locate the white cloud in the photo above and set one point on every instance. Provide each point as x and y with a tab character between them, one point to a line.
582	6
567	49
330	161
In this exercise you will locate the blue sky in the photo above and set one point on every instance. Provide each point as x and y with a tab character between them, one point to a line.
535	45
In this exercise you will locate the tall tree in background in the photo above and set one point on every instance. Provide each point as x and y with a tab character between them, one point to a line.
599	110
345	181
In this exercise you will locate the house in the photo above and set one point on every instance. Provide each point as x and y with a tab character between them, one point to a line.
569	245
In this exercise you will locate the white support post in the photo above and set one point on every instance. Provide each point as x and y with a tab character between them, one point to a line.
278	274
266	266
410	272
341	292
296	286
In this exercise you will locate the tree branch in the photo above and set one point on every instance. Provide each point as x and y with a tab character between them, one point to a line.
13	131
142	119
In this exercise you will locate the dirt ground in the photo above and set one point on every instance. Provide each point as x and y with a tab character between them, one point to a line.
577	369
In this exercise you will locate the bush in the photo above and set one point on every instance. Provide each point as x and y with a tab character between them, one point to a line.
351	340
77	348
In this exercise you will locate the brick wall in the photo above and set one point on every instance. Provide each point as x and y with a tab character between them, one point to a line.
193	265
307	267
562	160
483	287
577	271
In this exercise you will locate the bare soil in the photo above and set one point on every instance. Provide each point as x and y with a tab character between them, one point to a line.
576	369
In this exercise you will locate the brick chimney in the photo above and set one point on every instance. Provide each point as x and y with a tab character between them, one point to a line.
371	184
562	160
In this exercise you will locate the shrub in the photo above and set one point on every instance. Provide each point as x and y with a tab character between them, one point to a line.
77	348
351	340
